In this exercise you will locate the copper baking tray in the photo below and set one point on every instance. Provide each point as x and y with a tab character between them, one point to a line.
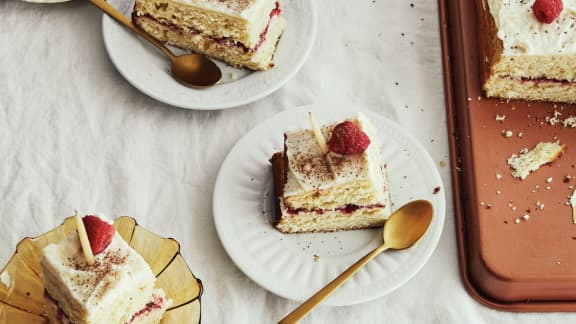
507	262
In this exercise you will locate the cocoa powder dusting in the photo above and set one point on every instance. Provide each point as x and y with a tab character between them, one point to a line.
95	273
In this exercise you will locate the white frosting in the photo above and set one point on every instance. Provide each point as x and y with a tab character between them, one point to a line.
245	9
573	199
309	169
522	34
118	269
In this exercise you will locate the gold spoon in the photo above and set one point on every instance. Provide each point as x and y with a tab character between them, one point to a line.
192	69
404	228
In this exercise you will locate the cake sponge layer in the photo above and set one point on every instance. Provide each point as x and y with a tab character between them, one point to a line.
360	193
332	220
193	18
152	312
541	89
556	67
226	50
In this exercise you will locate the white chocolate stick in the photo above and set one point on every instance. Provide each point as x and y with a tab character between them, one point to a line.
318	134
84	241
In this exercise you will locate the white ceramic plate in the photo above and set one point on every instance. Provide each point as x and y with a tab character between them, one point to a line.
147	69
285	263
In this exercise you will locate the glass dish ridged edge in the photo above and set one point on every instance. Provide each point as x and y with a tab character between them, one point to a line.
21	288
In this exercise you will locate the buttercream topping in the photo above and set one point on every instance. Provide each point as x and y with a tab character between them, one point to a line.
522	34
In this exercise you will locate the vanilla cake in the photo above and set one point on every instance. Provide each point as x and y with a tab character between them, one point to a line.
242	33
529	161
319	191
117	288
523	55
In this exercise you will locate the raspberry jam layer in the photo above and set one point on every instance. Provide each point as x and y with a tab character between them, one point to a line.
345	209
226	41
546	80
156	303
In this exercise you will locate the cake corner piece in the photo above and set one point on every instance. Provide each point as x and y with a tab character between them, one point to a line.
522	57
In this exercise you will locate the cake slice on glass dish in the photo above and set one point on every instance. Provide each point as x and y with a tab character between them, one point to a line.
242	33
334	185
94	276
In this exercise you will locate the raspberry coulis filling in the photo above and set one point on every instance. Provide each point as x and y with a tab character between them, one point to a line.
222	40
346	209
545	80
154	304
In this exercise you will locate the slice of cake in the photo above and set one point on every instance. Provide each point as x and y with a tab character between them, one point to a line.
528	49
242	33
116	287
342	187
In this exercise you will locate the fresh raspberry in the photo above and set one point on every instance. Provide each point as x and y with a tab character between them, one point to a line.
347	138
99	233
547	10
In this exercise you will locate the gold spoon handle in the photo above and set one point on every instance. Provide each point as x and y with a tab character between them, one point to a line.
313	301
119	17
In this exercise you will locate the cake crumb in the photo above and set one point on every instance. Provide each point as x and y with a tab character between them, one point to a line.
553	120
436	190
549	180
517	221
498	176
316	258
528	161
569	122
498	192
526	217
5	279
500	118
507	133
520	134
540	205
566	179
442	163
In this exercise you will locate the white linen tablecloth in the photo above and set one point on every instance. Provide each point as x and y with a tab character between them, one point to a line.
75	135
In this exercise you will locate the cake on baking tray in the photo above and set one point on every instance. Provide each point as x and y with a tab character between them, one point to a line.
528	49
342	186
117	287
242	33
